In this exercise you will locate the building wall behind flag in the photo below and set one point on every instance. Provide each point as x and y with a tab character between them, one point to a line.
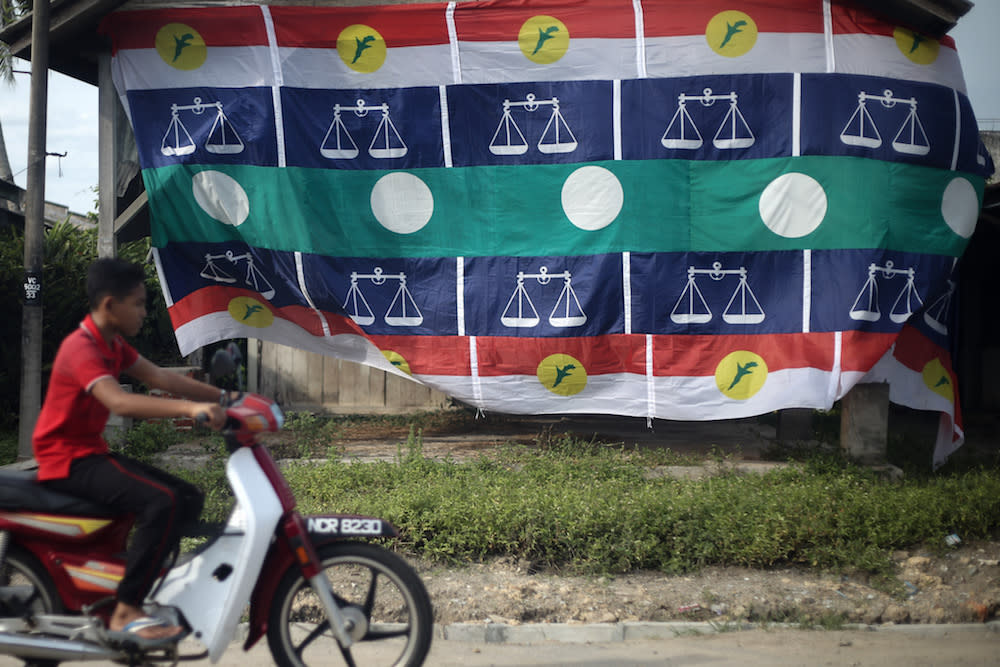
303	380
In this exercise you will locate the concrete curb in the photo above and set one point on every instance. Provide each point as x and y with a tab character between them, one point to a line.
502	633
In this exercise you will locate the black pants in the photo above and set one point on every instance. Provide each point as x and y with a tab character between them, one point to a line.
160	502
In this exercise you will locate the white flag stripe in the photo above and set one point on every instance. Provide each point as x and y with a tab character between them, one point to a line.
524	394
502	62
907	387
682	398
351	347
877	55
628	394
690	55
224	67
847	381
404	67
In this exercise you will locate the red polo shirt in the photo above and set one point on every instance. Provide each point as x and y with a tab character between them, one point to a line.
72	421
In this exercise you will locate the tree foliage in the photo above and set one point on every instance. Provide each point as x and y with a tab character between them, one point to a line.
10	11
68	252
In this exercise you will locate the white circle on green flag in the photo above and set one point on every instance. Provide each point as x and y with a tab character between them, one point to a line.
592	197
402	203
960	207
793	205
220	196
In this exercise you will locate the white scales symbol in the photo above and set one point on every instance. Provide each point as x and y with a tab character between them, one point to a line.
556	137
338	144
682	132
402	312
520	311
937	313
222	137
691	307
254	278
867	309
862	131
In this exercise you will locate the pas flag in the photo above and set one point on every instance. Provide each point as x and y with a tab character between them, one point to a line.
682	209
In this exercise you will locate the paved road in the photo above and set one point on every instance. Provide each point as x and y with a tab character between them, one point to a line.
680	645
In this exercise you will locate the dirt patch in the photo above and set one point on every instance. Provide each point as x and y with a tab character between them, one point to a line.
960	584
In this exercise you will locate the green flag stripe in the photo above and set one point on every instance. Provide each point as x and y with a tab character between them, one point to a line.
665	206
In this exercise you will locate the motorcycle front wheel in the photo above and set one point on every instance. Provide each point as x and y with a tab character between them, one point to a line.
376	590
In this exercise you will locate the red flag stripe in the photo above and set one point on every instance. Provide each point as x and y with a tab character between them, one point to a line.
399	25
218	26
862	349
501	21
853	20
672	355
425	24
600	354
210	300
430	355
700	355
691	17
914	350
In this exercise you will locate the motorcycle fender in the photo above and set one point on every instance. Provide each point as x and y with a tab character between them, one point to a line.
213	588
322	529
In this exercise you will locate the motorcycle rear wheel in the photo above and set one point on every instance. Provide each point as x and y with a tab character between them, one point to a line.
23	570
376	588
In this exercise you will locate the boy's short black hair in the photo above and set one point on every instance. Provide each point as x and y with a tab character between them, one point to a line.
114	276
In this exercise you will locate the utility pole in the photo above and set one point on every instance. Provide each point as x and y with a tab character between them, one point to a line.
34	230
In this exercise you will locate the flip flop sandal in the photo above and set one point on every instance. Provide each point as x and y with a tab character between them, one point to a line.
130	633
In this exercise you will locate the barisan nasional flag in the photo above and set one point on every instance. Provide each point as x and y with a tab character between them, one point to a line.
590	231
866	44
339	47
506	41
226	51
695	36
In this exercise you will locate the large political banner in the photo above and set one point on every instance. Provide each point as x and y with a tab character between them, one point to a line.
681	209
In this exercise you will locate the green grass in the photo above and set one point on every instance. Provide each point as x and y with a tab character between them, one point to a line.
585	507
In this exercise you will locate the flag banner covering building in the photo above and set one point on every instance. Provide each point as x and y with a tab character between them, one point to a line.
682	209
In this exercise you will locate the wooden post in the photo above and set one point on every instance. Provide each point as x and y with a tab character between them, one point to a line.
864	423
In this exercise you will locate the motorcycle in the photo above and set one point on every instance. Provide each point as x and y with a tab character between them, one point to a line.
314	584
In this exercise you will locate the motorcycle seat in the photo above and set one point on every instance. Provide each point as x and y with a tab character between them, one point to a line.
20	491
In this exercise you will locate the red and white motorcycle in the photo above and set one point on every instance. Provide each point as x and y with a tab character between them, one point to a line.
316	586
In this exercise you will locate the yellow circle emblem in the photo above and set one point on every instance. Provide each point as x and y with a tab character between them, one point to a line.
731	33
562	374
361	47
918	48
938	379
543	39
397	360
251	312
181	46
740	374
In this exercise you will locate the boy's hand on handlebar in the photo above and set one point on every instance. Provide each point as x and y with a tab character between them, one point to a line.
209	414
